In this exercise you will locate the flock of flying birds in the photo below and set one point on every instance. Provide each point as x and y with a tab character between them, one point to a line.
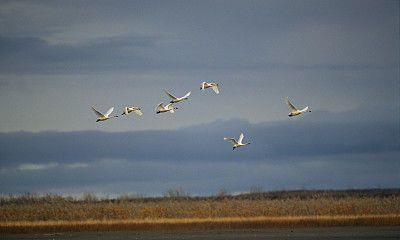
161	108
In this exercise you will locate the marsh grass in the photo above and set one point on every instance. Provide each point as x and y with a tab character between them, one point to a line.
198	223
174	211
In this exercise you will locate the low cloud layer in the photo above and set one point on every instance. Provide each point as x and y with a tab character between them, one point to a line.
201	142
289	154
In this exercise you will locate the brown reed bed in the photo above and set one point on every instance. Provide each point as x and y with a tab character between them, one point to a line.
51	213
198	223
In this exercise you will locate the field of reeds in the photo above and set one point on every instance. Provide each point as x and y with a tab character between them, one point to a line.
31	213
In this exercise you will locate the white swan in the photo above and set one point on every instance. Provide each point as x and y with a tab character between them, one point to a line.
103	117
176	99
294	111
238	143
136	110
167	108
212	85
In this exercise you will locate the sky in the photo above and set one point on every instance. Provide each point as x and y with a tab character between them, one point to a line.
59	58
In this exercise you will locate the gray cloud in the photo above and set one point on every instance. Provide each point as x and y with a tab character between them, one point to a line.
202	142
153	177
320	150
86	37
29	54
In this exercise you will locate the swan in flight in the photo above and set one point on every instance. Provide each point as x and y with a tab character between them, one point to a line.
176	99
136	110
167	108
294	111
103	117
238	143
212	85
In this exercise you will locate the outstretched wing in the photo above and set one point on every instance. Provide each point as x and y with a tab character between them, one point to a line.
203	85
290	105
240	138
169	106
215	89
99	114
231	140
160	107
109	112
170	95
187	95
306	109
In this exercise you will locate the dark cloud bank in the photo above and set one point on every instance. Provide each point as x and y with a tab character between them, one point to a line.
319	151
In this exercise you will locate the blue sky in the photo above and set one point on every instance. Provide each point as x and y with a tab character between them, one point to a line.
59	58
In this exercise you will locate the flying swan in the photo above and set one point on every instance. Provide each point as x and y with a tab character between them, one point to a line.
103	117
294	111
167	108
238	143
212	85
136	110
176	99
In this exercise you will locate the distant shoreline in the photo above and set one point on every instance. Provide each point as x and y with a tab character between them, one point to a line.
197	223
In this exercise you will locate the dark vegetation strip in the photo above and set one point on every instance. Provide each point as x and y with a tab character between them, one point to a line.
179	195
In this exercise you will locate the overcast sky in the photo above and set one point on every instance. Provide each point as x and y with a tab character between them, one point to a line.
58	58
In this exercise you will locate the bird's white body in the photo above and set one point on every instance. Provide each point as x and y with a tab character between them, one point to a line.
212	85
294	111
167	108
177	99
136	110
103	117
236	143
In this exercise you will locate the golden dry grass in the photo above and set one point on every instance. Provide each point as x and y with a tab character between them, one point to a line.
198	223
54	213
208	208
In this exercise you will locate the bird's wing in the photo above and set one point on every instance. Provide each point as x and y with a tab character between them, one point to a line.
126	110
232	140
240	138
304	109
99	114
187	95
160	106
169	106
215	88
138	112
203	85
170	95
109	112
290	105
